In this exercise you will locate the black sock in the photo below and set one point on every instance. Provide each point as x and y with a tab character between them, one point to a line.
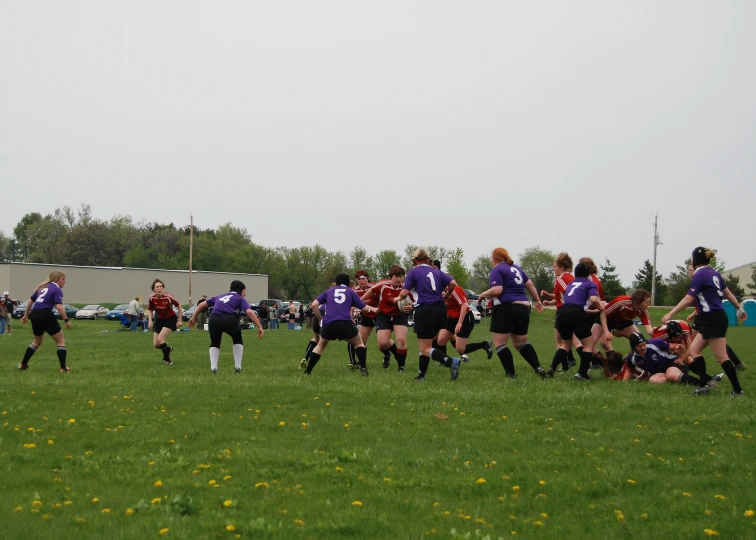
530	355
423	365
732	374
570	357
350	351
698	366
585	362
732	356
361	353
62	356
30	350
401	358
439	355
560	357
393	350
688	379
579	350
506	359
310	346
314	357
472	347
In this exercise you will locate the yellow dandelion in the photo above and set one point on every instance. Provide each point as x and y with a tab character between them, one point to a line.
544	515
356	503
195	471
387	480
720	497
230	528
282	423
644	516
95	500
67	503
685	494
339	469
105	510
80	520
748	513
130	512
72	420
156	500
299	522
630	481
164	530
542	482
30	445
171	442
515	488
346	426
228	503
537	523
708	512
211	482
46	516
18	509
227	477
514	533
620	515
480	481
159	483
50	441
711	532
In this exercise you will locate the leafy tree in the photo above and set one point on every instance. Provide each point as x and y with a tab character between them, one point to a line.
360	260
752	284
610	281
481	268
644	277
4	244
455	267
51	239
435	252
384	260
733	283
678	284
538	265
24	233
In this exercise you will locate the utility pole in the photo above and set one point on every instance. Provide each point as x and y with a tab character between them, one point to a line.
191	250
653	271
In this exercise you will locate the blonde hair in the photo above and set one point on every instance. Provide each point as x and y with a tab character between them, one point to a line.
54	277
501	255
420	254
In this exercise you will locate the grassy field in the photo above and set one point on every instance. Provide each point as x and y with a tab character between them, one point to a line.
125	447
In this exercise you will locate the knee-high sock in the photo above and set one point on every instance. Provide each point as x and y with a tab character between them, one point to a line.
560	357
732	374
439	355
698	366
310	346
30	350
214	356
528	352
361	353
472	347
166	350
350	350
401	357
62	356
506	359
314	357
423	363
688	379
585	362
393	349
238	354
569	357
732	356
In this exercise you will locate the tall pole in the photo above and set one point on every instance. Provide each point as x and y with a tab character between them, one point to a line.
191	253
653	270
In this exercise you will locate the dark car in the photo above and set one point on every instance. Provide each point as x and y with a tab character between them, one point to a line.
70	311
186	315
115	313
19	310
243	319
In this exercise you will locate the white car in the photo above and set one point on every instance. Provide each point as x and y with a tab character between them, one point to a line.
475	312
92	311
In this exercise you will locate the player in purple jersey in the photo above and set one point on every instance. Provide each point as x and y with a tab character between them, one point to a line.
581	301
707	288
511	313
337	322
39	309
224	320
433	287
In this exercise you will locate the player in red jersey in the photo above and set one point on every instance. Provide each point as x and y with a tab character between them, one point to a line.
620	317
367	319
460	323
162	302
562	270
390	318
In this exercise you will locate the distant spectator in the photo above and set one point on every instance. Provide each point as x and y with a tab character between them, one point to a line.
9	305
3	311
133	312
301	314
273	316
202	315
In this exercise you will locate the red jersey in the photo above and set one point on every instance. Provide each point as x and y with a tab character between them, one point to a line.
372	301
600	287
454	303
384	292
637	373
163	305
621	309
660	332
560	286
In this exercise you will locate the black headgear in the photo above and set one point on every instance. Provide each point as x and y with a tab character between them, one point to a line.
582	270
674	329
699	256
636	338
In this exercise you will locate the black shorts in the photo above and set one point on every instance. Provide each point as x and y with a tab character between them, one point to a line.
44	321
225	323
468	323
341	330
169	323
367	322
616	325
510	319
430	319
316	325
694	323
712	324
387	322
573	320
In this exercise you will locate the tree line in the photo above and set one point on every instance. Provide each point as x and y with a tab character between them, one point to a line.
75	237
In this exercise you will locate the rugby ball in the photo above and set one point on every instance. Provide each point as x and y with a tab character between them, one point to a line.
403	303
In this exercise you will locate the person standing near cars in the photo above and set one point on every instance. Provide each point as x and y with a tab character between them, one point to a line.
9	306
202	316
133	312
2	318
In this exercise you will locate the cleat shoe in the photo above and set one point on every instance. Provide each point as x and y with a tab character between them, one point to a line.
464	358
571	363
512	376
550	373
400	369
580	377
736	394
714	381
701	391
455	368
303	363
353	365
420	378
489	348
542	373
307	372
386	361
364	372
23	366
741	367
214	371
167	362
65	369
237	370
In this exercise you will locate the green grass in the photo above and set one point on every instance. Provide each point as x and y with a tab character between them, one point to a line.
483	456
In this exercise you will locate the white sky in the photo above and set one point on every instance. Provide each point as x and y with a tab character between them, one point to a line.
464	124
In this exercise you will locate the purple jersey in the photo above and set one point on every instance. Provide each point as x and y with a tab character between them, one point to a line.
47	297
230	302
513	279
579	292
706	287
657	358
339	301
428	282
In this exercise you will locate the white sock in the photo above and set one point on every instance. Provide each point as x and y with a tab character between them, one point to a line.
214	355
238	353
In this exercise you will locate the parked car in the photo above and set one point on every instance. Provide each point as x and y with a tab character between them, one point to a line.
92	311
272	303
115	313
189	313
471	295
243	319
70	311
18	311
476	314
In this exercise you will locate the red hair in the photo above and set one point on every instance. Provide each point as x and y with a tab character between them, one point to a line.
501	255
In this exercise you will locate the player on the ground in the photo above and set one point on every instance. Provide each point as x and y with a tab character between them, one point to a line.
224	320
48	296
162	303
620	317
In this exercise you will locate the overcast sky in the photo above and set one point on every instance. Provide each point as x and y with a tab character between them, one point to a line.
566	125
